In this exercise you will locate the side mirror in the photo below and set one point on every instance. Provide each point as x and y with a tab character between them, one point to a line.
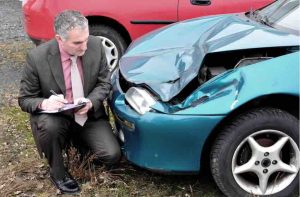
201	2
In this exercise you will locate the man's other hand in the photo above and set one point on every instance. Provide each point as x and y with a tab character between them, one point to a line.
86	108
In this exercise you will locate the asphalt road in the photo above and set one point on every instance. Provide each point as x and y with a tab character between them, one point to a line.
11	25
14	44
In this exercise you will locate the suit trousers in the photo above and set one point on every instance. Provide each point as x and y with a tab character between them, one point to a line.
53	132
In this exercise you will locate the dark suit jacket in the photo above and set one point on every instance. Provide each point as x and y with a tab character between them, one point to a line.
43	73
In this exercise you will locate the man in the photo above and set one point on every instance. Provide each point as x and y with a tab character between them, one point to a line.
68	69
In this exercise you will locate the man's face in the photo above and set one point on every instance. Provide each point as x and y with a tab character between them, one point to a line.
76	42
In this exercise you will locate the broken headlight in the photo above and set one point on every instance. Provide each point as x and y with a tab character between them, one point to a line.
139	99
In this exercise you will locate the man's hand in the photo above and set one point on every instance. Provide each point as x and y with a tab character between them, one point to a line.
86	108
54	102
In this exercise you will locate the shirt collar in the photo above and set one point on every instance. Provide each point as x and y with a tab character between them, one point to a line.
63	54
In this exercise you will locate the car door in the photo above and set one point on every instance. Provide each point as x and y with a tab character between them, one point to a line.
150	15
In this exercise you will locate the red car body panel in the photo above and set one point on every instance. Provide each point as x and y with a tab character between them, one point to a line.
137	17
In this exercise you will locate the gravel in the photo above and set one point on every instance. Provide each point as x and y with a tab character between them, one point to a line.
14	44
11	21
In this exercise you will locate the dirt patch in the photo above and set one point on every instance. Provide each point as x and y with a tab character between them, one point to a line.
21	170
12	61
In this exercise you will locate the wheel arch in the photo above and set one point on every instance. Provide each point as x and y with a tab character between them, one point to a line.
289	103
94	20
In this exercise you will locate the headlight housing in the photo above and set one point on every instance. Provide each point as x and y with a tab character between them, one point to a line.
139	99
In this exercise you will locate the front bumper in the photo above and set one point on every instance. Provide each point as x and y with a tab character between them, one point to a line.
161	142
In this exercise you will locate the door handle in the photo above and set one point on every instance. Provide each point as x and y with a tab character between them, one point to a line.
201	2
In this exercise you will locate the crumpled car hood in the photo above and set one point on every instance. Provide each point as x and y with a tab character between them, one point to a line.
167	59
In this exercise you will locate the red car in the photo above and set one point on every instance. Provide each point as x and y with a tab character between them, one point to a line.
117	22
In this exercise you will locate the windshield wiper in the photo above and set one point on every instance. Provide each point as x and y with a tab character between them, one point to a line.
259	18
264	20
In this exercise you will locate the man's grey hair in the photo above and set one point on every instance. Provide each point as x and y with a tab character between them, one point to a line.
68	20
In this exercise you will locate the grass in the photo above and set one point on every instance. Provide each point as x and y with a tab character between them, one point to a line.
15	51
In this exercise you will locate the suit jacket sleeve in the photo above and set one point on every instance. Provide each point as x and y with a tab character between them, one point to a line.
30	90
103	85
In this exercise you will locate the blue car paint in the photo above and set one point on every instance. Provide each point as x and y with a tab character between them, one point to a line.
176	51
163	142
171	138
174	142
234	88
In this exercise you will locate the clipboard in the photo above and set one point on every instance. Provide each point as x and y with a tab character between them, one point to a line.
66	107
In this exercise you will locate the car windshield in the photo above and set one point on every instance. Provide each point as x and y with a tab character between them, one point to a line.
282	14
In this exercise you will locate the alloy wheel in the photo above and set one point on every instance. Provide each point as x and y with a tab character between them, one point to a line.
111	52
265	162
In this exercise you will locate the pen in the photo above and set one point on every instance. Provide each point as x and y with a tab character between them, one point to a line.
54	93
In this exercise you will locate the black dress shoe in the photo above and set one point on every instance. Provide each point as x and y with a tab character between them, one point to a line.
67	185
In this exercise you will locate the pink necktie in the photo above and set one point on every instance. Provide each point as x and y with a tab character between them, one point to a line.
77	88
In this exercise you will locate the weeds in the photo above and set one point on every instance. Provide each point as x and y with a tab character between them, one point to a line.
84	169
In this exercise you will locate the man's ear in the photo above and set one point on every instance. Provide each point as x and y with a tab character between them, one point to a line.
58	38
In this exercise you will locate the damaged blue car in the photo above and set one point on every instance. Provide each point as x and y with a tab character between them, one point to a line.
219	92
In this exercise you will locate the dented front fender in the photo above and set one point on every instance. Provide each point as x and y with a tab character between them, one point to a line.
234	88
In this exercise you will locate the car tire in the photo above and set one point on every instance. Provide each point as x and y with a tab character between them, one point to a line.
243	159
113	43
